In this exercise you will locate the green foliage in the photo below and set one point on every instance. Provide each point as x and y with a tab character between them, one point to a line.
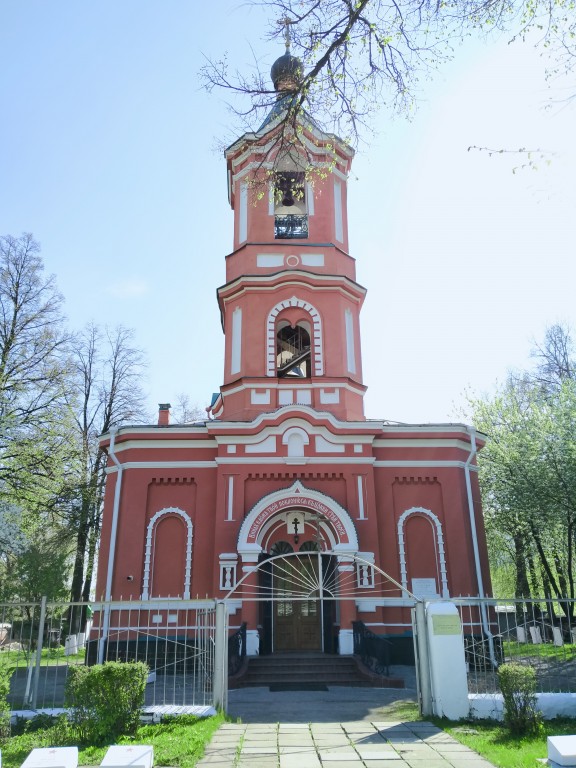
518	686
106	699
5	675
178	741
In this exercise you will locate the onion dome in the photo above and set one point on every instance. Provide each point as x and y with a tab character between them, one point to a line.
286	72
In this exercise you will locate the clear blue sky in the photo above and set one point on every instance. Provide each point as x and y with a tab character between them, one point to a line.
107	156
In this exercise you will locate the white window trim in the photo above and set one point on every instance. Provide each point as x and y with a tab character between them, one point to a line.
150	534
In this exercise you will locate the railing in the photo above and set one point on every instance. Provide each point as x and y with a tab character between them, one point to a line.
291	226
176	638
237	650
374	650
540	633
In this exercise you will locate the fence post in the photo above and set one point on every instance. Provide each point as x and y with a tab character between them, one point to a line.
220	690
423	659
39	652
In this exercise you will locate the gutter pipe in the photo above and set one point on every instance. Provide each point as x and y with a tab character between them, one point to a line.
481	594
112	550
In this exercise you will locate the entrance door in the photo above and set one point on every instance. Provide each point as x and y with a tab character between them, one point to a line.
297	622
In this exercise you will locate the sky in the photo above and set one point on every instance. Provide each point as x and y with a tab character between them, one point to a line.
108	156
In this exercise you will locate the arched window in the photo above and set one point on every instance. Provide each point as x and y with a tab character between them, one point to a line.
290	210
281	548
293	350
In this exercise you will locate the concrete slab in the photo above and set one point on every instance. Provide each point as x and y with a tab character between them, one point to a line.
132	756
52	757
562	749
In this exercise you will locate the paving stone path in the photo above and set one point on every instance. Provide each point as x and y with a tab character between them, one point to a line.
354	744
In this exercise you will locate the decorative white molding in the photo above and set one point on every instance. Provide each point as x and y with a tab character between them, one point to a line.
260	397
440	553
304	396
264	446
365	571
329	398
269	260
350	351
312	259
230	499
338	220
295	438
228	564
310	198
236	356
285	396
243	214
361	509
250	551
316	334
323	446
151	535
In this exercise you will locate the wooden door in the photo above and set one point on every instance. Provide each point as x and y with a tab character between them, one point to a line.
297	622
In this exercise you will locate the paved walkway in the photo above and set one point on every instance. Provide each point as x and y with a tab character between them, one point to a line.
354	744
337	728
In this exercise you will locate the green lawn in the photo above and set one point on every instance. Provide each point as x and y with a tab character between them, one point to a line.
494	742
178	741
548	651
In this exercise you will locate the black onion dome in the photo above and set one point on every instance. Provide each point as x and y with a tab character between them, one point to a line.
286	72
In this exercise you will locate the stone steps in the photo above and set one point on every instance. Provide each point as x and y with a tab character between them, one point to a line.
306	669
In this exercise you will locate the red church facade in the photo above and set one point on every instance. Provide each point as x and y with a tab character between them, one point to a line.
287	460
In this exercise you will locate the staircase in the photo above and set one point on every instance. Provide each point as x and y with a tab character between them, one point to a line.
294	670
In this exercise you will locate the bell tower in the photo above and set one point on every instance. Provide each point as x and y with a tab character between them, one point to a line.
290	306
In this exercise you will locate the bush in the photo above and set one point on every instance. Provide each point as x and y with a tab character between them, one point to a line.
5	675
106	699
518	686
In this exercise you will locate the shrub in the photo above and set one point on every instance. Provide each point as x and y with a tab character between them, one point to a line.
106	699
5	675
518	686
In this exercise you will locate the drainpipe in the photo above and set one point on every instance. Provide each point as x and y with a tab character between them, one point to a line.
112	550
483	613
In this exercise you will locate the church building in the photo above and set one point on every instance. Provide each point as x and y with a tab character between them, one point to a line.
286	462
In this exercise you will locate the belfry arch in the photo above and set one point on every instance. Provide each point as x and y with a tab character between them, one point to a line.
315	336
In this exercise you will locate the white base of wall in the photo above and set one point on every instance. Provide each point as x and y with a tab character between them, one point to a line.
346	642
252	642
491	705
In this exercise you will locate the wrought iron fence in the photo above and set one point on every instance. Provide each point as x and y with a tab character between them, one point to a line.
291	226
540	633
373	649
176	638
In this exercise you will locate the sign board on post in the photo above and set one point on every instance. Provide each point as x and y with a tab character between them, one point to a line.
447	662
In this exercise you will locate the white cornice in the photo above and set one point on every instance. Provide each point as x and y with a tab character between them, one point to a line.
313	281
270	383
162	444
447	442
164	465
232	426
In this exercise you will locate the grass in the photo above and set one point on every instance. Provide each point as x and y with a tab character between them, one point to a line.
546	651
49	657
494	742
177	741
490	739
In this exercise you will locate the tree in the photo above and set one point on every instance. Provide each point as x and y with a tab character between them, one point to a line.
528	475
33	364
106	371
360	55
